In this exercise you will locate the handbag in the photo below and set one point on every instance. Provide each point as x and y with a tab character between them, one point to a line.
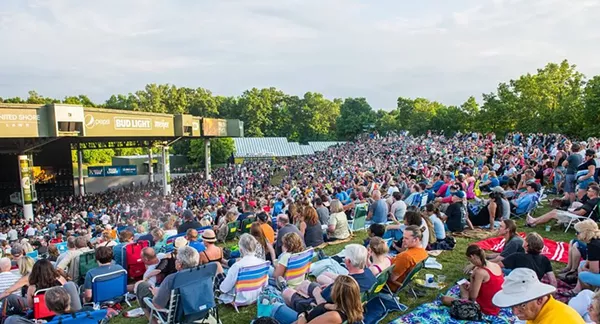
465	310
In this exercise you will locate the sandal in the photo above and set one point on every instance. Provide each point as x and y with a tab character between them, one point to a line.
568	293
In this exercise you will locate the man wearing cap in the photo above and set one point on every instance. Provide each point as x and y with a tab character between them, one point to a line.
263	220
522	204
532	301
190	222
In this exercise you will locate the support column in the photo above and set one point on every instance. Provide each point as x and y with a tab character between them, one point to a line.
166	169
80	169
150	166
207	158
26	193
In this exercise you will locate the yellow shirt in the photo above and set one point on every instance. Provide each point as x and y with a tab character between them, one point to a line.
555	312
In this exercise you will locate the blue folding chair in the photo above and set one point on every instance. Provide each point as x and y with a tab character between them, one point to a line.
34	255
192	297
61	247
109	286
170	244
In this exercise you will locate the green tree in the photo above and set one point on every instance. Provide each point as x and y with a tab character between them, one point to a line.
355	115
220	150
591	107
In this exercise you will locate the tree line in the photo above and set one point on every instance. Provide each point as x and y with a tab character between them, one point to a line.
556	99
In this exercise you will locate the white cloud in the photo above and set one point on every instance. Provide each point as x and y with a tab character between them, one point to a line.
380	50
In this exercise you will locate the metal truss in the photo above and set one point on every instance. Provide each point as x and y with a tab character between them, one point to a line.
115	144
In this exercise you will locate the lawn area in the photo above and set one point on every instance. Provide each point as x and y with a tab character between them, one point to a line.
452	261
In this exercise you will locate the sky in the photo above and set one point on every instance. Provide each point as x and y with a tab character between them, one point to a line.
379	49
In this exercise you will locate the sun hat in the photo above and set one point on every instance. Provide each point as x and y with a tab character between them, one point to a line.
209	236
520	286
180	242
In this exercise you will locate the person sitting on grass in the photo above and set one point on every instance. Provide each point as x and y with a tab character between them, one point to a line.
513	243
532	301
374	230
486	280
531	259
320	292
589	270
345	306
588	209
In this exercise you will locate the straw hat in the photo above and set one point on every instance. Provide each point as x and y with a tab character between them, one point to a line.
180	242
209	236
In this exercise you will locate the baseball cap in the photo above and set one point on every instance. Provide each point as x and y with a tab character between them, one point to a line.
459	194
520	286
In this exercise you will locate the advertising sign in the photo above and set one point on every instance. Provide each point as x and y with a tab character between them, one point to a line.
127	170
19	122
97	171
25	179
105	124
214	127
112	171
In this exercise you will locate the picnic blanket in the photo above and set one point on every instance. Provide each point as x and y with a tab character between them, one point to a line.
435	312
476	233
555	251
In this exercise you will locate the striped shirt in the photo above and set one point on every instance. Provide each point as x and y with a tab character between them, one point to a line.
8	279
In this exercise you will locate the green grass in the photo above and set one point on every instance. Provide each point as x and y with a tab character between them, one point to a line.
453	262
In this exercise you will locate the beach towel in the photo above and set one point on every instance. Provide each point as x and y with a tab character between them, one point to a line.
436	313
555	251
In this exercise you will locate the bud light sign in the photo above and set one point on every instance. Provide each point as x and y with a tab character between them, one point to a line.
112	171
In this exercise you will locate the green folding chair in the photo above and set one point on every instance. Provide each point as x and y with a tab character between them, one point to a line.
409	278
246	225
232	229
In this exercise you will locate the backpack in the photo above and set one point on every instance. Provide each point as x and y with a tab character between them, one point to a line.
466	310
87	262
86	317
133	260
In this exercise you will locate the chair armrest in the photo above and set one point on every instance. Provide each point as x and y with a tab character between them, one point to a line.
150	305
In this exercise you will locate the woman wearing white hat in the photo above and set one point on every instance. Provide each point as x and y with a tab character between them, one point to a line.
532	301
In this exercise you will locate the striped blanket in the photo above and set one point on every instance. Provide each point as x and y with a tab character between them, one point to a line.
555	251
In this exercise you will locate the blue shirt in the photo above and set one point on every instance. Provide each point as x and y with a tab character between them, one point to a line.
437	185
365	281
494	182
524	202
380	211
438	227
343	197
199	246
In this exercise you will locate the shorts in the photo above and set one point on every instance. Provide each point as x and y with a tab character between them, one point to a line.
569	185
583	185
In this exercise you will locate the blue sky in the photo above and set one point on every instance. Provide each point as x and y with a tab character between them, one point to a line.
441	50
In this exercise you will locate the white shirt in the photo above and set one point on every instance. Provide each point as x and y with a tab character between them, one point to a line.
398	207
105	219
7	279
30	232
13	235
391	190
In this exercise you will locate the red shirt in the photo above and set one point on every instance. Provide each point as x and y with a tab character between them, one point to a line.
487	291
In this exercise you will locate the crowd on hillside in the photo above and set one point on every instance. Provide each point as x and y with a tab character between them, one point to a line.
416	192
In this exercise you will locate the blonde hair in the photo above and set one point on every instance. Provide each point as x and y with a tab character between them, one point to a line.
158	232
345	293
26	246
588	229
378	246
336	206
25	265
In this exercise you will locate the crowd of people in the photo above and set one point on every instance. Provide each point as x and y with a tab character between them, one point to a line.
418	191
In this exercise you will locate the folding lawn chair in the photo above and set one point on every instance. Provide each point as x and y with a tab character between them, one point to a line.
109	287
360	217
40	310
409	278
232	229
192	297
298	265
574	219
252	278
378	286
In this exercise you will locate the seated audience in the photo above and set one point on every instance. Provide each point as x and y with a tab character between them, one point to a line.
345	306
493	211
247	245
337	229
283	223
43	276
531	259
588	209
486	279
187	258
104	258
405	261
264	220
587	304
532	301
377	257
292	244
513	243
310	227
589	270
192	237
125	238
264	249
